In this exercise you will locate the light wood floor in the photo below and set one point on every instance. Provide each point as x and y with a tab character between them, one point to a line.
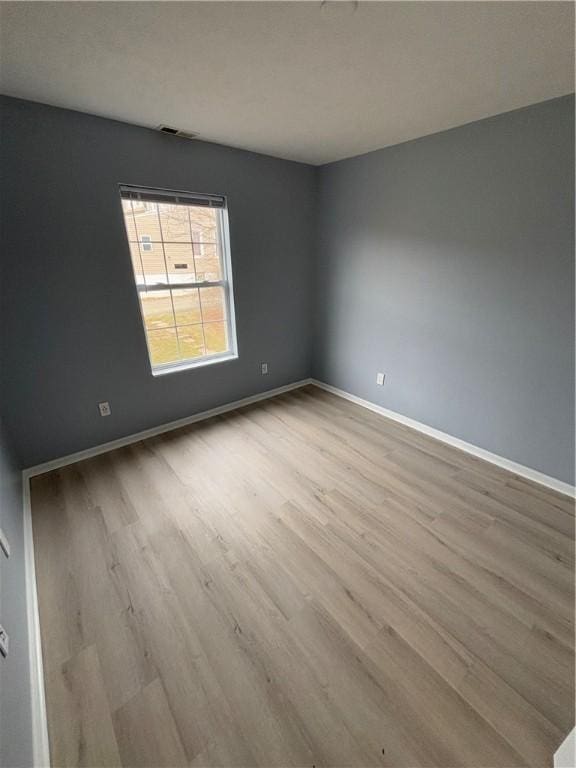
303	583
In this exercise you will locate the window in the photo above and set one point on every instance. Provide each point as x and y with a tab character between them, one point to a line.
183	275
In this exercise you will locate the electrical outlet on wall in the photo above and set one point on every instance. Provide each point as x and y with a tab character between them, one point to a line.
264	369
380	379
104	408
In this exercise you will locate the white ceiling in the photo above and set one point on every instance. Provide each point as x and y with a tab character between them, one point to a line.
301	80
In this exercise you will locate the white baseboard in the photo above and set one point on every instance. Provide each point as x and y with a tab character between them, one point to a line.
493	458
565	755
40	744
72	458
39	719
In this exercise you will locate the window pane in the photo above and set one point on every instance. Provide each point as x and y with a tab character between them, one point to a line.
212	304
147	221
163	346
174	242
157	309
191	341
207	262
129	220
174	221
215	335
187	306
136	263
203	224
180	261
154	265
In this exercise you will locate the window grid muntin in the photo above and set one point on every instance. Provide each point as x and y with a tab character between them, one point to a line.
220	243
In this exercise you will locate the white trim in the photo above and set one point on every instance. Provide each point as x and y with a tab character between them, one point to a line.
565	755
40	744
493	458
223	225
186	365
72	458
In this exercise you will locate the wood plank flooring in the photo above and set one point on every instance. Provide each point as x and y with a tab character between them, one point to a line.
303	583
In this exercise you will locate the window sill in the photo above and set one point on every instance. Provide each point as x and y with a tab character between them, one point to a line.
189	365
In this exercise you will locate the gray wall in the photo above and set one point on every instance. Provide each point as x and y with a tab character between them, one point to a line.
71	311
15	709
15	712
447	263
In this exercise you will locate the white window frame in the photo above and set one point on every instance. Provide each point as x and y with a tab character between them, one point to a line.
128	191
146	242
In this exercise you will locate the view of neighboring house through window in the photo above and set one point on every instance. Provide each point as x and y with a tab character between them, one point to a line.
179	247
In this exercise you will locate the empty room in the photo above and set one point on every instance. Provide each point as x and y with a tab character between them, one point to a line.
287	418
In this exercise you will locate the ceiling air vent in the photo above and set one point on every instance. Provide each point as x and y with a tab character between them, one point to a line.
177	132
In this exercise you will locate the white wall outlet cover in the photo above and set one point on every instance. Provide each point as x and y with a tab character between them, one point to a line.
4	543
380	379
264	367
4	642
104	409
